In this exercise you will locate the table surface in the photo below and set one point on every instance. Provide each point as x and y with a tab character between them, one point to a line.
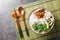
7	30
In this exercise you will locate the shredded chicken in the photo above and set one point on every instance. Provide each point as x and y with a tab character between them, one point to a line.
40	14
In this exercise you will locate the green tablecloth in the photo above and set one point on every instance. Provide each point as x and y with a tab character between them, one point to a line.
53	6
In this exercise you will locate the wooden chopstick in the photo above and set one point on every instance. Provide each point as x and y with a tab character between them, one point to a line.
23	17
18	24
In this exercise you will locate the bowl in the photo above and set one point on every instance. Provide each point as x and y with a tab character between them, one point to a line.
41	21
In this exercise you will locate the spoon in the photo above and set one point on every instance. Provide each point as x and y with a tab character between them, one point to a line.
16	16
21	11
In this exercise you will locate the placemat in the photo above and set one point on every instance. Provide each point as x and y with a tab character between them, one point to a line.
53	6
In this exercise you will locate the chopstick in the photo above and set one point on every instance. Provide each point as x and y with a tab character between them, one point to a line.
27	32
18	24
19	28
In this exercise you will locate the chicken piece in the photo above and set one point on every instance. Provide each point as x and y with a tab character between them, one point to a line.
40	14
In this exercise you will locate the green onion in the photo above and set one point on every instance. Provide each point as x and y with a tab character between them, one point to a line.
40	27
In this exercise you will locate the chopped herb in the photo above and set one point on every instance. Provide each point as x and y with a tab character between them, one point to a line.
40	27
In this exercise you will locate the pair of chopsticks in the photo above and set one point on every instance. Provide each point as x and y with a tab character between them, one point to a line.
17	16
